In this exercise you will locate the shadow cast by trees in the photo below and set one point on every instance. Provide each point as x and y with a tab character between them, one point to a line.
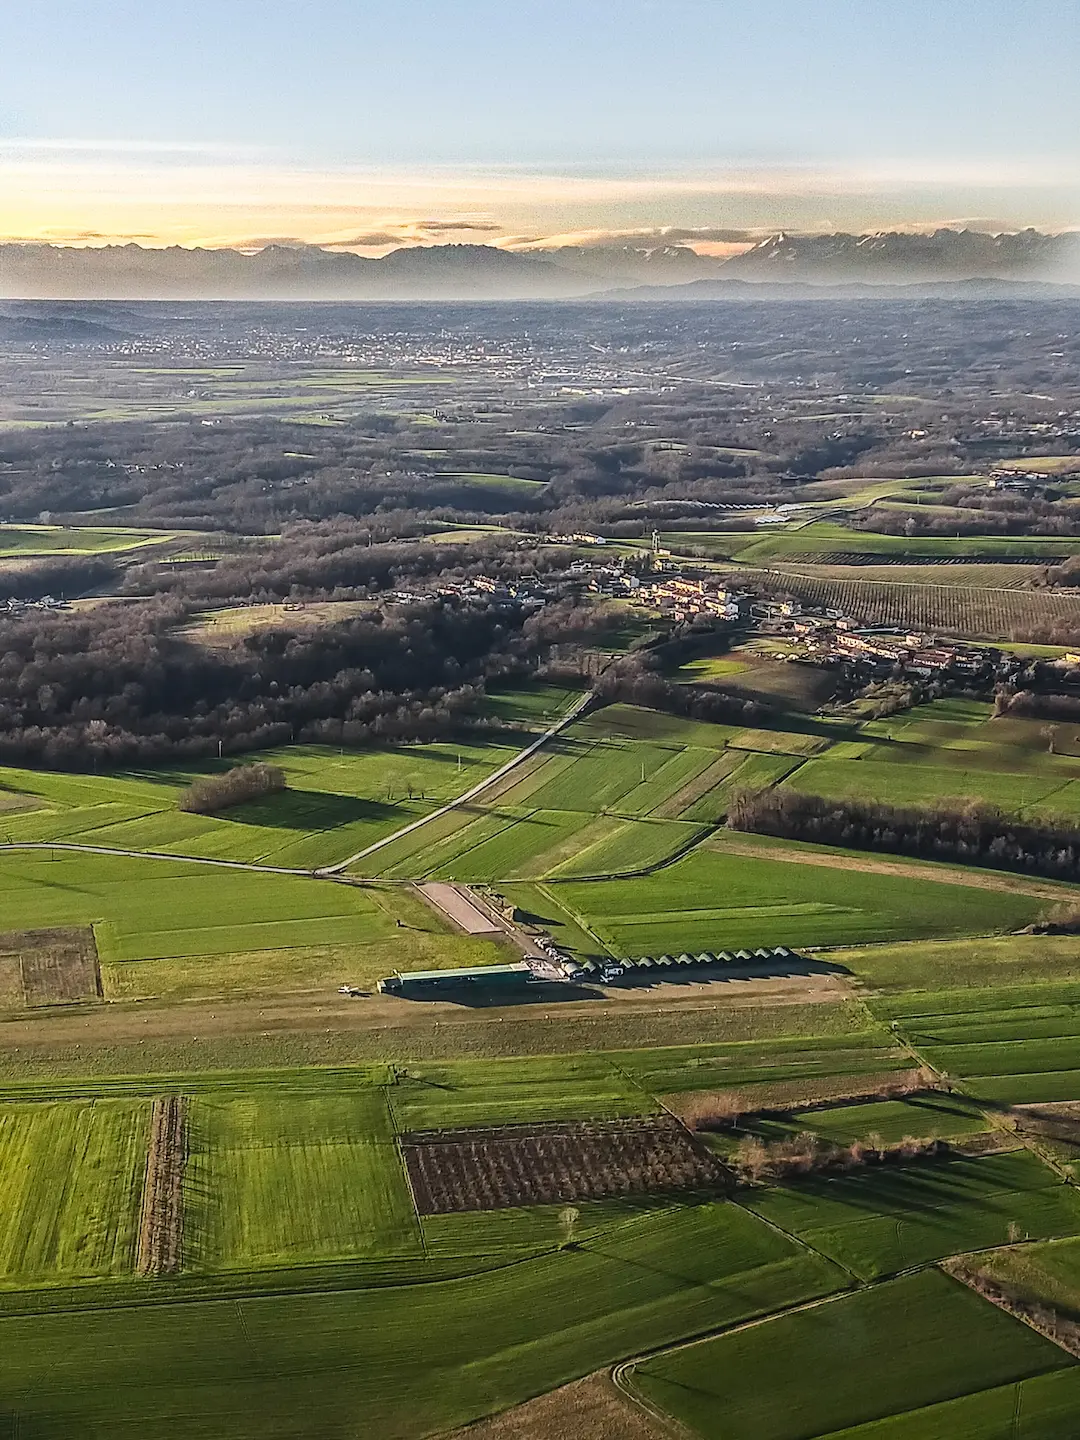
309	810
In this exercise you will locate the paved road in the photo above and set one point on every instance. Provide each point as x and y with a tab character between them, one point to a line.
523	755
325	872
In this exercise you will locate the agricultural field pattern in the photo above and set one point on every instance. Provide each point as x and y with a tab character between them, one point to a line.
502	1166
422	1016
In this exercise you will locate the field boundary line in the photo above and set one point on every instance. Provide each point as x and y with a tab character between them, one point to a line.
572	714
900	865
857	1282
621	1373
574	916
68	845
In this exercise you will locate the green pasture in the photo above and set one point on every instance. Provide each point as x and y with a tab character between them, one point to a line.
180	930
847	1366
629	846
996	961
27	540
1041	1408
844	1044
1005	1044
826	537
902	780
309	1363
880	1220
1047	1274
633	722
498	1092
532	706
146	909
509	1233
1006	1048
337	802
294	1178
70	1187
713	901
922	1117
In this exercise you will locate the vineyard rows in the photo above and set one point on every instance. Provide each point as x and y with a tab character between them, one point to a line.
960	610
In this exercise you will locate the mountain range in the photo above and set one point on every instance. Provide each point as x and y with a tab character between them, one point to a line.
485	272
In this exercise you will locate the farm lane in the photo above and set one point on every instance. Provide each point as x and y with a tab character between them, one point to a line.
572	714
149	855
327	872
320	1012
732	843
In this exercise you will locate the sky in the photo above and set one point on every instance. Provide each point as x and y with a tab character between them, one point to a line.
370	123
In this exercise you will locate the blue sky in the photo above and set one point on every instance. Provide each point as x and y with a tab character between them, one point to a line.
346	119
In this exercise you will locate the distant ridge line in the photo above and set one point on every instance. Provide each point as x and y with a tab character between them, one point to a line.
874	264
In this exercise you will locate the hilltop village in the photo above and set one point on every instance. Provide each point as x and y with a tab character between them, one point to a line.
812	634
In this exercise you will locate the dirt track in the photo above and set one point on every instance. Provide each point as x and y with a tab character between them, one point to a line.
732	844
161	1227
589	1409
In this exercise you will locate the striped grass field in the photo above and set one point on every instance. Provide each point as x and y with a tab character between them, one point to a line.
70	1186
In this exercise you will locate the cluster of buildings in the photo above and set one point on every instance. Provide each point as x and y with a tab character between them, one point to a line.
684	597
830	638
22	607
532	593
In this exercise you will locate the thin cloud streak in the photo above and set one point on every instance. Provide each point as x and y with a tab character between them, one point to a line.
79	193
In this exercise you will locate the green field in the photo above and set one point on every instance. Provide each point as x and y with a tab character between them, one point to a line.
843	1360
308	1283
27	540
336	803
882	1220
300	1240
852	1049
713	901
1046	1274
903	781
532	706
295	1179
827	538
923	1117
70	1181
1000	961
497	1092
310	1363
178	929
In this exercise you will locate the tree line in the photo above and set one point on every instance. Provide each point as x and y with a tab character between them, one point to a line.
971	834
119	685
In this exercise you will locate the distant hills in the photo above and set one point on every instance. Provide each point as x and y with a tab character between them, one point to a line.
484	272
897	258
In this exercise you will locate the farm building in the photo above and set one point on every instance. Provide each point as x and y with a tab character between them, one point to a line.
414	982
608	970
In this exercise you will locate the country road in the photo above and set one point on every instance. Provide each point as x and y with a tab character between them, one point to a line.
77	849
324	872
549	734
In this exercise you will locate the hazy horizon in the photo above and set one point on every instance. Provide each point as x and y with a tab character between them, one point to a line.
533	125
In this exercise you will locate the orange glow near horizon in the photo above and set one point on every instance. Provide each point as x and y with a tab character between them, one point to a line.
214	201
